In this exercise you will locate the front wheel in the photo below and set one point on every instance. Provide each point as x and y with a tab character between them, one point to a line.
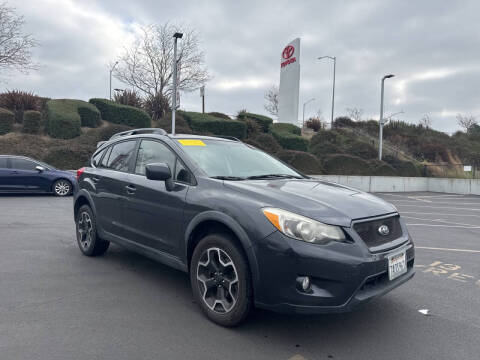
62	187
220	280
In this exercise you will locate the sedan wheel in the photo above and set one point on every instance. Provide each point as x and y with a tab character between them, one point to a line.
85	229
62	188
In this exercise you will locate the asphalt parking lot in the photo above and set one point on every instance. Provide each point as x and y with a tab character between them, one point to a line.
57	304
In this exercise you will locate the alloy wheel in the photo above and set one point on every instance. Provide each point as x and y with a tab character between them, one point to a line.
217	280
62	188
85	230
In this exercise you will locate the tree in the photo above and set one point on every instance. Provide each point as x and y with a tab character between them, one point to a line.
271	98
466	121
15	46
355	113
147	65
426	121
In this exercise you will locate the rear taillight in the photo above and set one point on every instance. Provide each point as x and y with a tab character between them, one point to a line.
80	172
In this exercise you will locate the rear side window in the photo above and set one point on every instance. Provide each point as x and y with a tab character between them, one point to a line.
23	164
96	158
121	155
105	158
3	163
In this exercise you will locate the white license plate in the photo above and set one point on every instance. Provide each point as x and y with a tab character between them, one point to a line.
397	265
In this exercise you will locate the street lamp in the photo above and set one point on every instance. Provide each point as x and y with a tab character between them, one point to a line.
334	58
380	122
303	117
111	70
176	36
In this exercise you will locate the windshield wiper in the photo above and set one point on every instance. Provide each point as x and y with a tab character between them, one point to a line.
237	178
274	176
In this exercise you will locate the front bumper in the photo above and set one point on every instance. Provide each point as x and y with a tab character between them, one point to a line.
343	275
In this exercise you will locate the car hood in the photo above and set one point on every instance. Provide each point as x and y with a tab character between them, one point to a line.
321	200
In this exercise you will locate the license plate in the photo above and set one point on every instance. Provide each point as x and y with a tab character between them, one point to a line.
397	265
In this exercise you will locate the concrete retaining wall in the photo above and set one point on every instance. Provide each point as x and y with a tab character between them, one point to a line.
406	184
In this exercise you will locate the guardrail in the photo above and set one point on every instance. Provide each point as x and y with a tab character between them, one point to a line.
406	184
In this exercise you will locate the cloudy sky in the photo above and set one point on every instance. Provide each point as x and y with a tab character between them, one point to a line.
433	48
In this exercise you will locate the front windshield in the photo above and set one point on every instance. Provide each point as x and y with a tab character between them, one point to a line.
219	158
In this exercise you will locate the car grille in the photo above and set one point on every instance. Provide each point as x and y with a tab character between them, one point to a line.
368	231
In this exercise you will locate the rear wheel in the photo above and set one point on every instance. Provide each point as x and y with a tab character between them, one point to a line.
220	280
62	187
87	238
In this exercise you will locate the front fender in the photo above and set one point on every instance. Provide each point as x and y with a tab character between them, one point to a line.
235	227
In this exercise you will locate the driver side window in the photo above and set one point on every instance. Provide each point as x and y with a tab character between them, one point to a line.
151	152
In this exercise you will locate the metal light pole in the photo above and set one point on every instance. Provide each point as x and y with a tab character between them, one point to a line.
111	70
380	123
334	58
303	117
176	36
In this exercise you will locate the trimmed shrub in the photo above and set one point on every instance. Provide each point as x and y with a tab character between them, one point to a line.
288	136
32	121
220	115
326	148
202	123
63	120
68	158
381	168
265	142
323	136
403	168
121	114
263	121
362	149
304	162
343	121
107	132
181	125
343	164
89	114
7	118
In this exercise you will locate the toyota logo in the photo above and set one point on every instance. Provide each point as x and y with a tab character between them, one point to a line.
384	230
288	52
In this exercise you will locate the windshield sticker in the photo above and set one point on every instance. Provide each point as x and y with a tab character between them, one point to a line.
191	142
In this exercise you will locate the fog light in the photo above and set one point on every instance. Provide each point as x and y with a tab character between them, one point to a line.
306	283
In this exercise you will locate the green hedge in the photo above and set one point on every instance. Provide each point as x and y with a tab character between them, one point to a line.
63	119
205	123
342	164
89	115
381	168
122	114
32	121
302	161
263	121
7	118
288	136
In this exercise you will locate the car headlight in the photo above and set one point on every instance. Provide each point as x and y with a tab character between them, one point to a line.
302	228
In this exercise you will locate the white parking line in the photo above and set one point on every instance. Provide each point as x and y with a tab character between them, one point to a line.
441	220
438	214
447	249
447	226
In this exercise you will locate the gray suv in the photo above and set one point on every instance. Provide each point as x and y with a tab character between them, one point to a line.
250	230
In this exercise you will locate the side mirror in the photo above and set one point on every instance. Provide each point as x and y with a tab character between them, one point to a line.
160	172
40	168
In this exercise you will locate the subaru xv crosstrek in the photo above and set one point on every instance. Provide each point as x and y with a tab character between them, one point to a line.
249	229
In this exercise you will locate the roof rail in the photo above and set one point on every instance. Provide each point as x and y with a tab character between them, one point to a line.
226	137
139	131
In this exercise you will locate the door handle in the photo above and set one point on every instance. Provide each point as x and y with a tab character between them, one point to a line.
14	172
130	189
95	179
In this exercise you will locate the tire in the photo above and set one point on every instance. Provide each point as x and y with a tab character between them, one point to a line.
86	230
222	288
62	187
